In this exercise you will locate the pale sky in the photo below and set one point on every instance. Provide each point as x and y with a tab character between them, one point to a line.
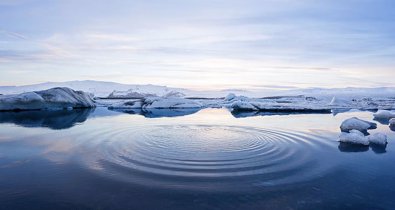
200	44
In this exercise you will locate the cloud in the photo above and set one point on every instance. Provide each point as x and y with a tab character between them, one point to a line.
13	34
248	43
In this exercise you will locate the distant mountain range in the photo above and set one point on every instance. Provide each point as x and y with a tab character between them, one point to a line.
105	89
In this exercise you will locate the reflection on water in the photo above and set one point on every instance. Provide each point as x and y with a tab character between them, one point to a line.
382	121
57	119
347	147
202	159
205	156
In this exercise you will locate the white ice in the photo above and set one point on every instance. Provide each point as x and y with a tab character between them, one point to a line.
354	137
158	103
378	138
340	102
171	103
357	124
384	114
55	98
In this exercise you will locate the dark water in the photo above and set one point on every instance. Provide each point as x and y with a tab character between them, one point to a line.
190	159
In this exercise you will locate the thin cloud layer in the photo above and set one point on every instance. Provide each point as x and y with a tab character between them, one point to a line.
199	44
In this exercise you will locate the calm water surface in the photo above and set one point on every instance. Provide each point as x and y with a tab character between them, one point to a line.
189	159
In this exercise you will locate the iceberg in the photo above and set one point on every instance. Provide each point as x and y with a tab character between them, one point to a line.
354	137
170	103
136	104
357	124
158	103
357	137
340	103
230	97
384	114
278	103
244	106
378	138
51	99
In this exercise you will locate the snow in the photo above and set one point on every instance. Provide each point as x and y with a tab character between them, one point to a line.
354	137
384	114
97	88
299	103
245	106
378	138
171	103
314	99
103	89
340	102
230	97
140	92
280	103
133	104
357	124
357	137
55	98
158	103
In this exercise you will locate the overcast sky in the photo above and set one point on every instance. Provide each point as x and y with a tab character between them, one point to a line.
201	44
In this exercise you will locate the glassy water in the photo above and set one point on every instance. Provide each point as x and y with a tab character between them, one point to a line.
189	159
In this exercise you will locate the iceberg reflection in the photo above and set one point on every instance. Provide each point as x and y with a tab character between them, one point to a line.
59	119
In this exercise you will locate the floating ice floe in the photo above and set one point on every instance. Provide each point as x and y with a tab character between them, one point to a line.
277	103
244	105
230	97
54	98
158	103
133	104
340	102
170	103
354	137
384	114
357	137
291	103
377	138
357	124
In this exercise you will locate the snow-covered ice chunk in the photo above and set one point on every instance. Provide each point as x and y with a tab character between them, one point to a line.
170	103
340	102
354	137
378	138
244	105
135	104
66	97
158	103
55	98
357	124
230	97
23	101
384	114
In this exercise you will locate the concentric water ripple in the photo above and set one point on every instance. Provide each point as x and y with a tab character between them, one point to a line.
205	156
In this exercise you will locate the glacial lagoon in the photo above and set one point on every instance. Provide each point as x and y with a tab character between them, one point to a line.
190	159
